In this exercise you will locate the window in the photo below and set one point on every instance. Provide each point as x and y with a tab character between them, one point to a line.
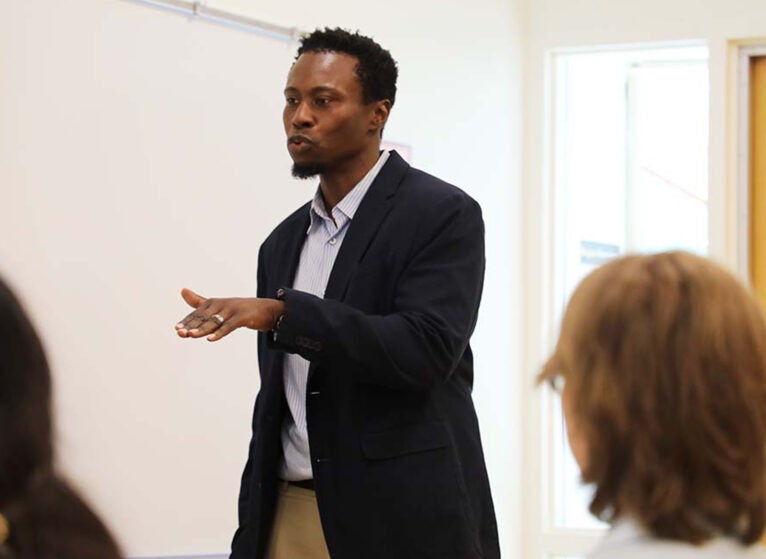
629	173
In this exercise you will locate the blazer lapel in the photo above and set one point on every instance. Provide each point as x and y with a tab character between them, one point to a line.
374	207
291	244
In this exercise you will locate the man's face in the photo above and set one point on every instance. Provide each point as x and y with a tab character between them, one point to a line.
326	120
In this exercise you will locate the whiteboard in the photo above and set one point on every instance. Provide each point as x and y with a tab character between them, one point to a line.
141	152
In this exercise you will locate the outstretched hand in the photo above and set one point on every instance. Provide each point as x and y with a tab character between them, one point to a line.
216	318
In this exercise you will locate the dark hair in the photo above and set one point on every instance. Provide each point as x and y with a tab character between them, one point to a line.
376	69
52	520
46	517
25	399
664	362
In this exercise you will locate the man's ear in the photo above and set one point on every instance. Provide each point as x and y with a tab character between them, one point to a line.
380	112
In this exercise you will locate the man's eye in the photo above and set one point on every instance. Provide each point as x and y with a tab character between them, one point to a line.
322	101
291	100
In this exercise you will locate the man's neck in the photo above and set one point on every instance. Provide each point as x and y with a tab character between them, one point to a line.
337	183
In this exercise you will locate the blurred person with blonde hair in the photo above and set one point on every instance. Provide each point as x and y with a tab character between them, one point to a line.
661	363
41	516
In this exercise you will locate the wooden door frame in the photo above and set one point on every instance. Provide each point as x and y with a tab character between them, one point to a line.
745	54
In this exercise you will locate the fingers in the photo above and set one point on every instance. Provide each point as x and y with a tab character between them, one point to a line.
224	329
211	323
192	321
191	298
216	318
197	317
208	318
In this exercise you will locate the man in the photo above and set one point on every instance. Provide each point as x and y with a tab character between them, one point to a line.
365	441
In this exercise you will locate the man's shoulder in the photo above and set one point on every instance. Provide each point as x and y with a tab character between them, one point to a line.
421	187
413	184
426	184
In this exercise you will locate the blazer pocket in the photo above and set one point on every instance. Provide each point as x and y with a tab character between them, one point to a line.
412	439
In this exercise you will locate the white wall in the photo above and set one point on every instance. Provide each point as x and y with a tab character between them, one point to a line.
562	24
141	152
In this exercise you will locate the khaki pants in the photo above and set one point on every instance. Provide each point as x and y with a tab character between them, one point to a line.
297	531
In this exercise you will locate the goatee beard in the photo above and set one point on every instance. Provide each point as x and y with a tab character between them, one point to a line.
307	170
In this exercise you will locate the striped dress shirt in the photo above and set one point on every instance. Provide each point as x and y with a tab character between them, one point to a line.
323	241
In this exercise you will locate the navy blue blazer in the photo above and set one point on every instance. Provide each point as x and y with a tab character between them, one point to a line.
394	439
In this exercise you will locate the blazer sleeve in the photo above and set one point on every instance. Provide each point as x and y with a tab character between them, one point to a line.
435	302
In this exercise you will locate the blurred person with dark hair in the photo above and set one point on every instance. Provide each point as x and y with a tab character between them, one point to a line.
41	516
365	439
661	363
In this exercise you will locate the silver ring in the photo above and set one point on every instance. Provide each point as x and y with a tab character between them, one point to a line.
218	318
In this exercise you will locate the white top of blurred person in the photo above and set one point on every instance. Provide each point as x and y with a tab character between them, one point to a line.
628	540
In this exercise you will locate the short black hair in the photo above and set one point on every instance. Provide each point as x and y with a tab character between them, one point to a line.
376	68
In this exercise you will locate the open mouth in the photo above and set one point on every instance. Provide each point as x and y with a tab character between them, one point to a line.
298	142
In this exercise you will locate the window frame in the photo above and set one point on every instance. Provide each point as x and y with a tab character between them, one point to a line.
542	538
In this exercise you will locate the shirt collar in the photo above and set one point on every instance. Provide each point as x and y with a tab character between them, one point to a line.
351	201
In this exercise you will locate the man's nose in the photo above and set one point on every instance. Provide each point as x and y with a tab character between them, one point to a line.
302	117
